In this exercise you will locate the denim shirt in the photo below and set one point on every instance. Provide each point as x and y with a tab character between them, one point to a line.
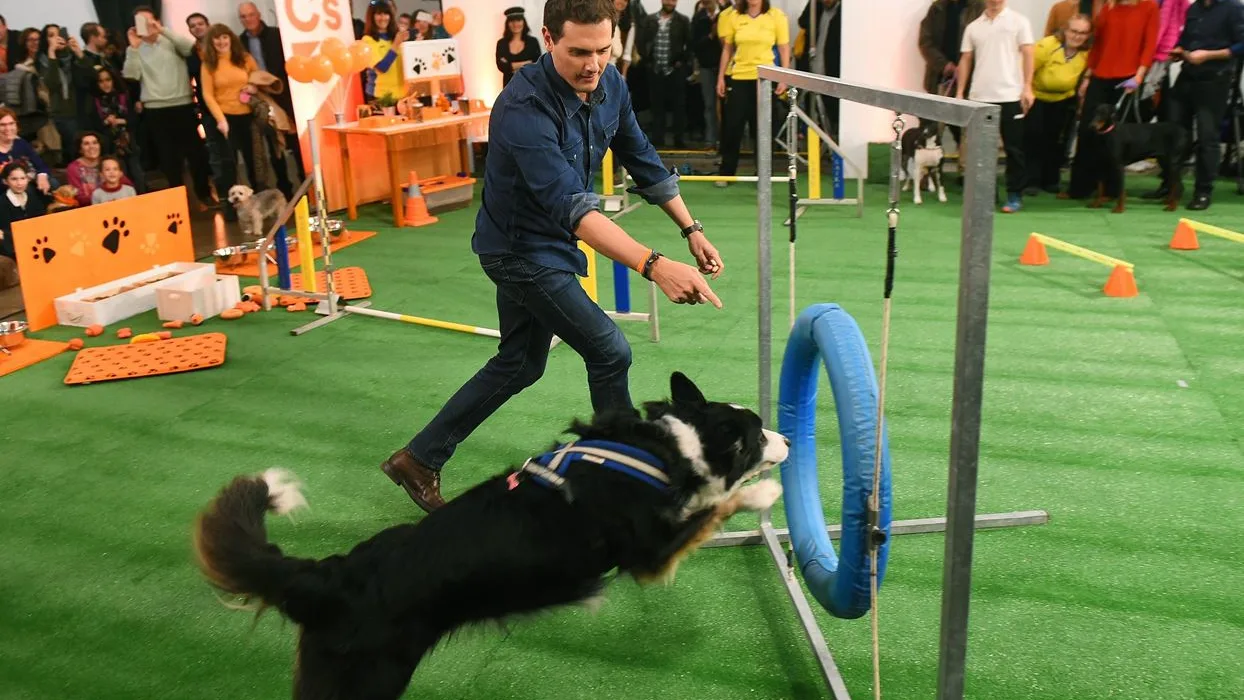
545	146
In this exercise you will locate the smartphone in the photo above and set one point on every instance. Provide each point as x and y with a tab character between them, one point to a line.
140	25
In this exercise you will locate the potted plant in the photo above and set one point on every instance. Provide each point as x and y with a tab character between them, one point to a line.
387	104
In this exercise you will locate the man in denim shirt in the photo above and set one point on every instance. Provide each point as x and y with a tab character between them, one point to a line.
547	135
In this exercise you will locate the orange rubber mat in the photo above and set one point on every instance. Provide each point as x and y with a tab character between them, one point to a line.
129	361
349	282
250	268
29	353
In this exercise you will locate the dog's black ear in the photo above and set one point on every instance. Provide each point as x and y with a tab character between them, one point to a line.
684	391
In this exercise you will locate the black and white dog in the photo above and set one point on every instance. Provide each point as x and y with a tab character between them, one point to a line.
633	493
922	157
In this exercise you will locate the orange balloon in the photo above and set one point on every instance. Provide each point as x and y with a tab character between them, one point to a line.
320	68
297	69
453	20
343	62
330	46
360	53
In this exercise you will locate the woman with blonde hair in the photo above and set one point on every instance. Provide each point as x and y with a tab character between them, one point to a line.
225	76
1058	67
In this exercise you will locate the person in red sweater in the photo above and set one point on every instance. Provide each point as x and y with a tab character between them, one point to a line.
1124	40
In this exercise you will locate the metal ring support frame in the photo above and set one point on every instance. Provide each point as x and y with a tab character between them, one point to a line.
979	160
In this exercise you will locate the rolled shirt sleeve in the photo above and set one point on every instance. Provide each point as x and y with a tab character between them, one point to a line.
555	178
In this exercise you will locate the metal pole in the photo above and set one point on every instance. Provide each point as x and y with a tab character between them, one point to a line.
965	417
764	238
792	153
321	204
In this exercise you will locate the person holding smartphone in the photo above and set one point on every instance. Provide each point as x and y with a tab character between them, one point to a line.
156	58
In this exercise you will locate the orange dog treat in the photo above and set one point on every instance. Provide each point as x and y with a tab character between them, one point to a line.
296	307
94	330
124	333
173	324
165	335
144	338
230	314
76	344
196	319
253	306
254	291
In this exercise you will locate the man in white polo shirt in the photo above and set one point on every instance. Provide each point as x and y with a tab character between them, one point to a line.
997	58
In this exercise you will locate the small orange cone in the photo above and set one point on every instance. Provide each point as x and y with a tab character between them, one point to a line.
1034	253
416	208
1185	237
1121	283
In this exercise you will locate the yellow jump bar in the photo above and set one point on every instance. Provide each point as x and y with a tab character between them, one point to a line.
420	321
1214	230
1084	253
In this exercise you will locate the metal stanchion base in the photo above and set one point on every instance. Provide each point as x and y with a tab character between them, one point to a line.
984	521
330	313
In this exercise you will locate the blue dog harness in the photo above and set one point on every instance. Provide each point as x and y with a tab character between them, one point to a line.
549	469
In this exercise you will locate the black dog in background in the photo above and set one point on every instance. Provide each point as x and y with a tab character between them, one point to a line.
1125	143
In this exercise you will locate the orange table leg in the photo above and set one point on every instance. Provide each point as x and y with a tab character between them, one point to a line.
351	208
395	181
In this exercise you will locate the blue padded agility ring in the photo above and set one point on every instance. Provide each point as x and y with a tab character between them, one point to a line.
826	334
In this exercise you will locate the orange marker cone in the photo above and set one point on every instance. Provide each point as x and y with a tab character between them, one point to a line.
1034	253
416	208
1121	283
1185	237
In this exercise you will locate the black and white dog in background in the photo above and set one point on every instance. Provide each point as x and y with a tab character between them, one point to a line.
922	158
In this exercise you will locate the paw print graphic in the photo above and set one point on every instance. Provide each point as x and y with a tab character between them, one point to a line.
116	231
77	243
41	250
150	244
175	222
449	56
418	66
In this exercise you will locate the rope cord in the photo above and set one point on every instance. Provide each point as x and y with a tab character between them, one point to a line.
876	535
792	152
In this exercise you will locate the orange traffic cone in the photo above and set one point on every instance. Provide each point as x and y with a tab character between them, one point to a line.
1034	253
416	208
1185	237
1121	283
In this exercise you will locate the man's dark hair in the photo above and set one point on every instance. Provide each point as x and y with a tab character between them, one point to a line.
558	12
200	15
89	30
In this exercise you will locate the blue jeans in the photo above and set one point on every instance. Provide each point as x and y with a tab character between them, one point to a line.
534	303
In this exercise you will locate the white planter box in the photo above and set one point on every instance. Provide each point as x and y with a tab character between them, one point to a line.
105	304
179	299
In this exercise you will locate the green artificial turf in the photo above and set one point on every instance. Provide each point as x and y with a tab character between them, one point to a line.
1121	417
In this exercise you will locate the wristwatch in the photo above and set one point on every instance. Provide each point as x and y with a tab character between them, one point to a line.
695	226
646	270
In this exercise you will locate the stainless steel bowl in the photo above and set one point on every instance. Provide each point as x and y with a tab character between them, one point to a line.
232	255
335	226
12	333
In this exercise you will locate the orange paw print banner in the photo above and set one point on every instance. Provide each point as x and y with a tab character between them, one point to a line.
60	253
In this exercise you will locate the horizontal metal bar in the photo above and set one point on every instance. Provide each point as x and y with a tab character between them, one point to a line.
627	316
829	669
988	521
849	200
923	105
730	178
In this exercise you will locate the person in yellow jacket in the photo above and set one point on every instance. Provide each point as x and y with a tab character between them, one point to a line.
382	36
1059	61
750	33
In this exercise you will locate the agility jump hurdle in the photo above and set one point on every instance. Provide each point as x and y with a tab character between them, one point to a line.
1186	231
1122	281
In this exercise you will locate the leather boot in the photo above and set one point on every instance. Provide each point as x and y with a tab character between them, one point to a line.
422	484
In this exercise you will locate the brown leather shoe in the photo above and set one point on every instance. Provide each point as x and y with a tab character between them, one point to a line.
422	484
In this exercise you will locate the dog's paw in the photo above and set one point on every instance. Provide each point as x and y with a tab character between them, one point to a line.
284	491
1118	209
760	495
941	196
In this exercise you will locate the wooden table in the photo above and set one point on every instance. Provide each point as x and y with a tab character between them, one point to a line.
432	148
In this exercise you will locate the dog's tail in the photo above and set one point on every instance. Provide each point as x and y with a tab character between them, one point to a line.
233	551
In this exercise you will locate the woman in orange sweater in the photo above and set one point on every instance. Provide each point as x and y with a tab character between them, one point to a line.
1125	37
225	76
